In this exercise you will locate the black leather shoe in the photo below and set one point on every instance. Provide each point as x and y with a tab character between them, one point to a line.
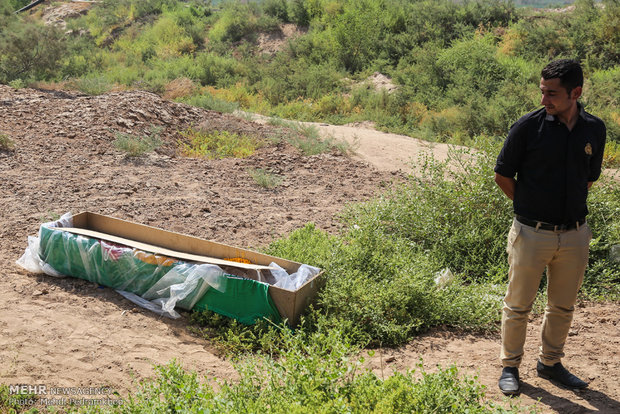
560	374
509	382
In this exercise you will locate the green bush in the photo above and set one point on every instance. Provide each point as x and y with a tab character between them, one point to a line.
211	69
93	85
277	9
6	143
234	22
265	178
135	146
208	101
317	373
603	275
29	51
218	144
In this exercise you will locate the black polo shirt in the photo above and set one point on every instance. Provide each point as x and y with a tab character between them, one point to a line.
552	165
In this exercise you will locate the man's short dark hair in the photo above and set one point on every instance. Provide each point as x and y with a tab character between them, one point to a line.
567	70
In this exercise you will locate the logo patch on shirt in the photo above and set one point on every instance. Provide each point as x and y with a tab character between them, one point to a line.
588	149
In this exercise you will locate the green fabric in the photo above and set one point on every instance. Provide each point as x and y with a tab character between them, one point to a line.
243	299
252	301
84	258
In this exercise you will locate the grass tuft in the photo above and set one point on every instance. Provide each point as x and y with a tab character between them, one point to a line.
93	85
135	146
307	138
218	144
265	178
6	143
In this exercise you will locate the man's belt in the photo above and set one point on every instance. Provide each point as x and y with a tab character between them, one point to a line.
549	226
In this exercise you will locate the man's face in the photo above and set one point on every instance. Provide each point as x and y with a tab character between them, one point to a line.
555	97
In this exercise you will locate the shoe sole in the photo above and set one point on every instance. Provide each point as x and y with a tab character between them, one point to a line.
510	393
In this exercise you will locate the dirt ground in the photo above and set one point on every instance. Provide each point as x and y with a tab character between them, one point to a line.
72	333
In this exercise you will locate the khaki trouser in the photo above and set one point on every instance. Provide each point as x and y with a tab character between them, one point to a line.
565	255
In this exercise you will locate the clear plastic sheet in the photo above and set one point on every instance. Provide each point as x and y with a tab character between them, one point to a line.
31	261
185	284
293	281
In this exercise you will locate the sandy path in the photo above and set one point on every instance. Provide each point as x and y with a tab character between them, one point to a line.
383	150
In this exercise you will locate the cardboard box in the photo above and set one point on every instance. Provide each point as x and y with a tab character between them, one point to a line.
290	304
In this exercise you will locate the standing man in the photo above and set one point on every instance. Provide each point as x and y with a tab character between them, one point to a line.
555	154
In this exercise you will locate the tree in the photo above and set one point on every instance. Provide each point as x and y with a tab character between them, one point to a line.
29	50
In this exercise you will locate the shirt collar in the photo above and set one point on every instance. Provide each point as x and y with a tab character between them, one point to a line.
582	113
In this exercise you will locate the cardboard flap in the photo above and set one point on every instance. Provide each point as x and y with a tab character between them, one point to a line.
160	250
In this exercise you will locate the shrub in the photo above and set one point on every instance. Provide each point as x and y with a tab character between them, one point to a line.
208	101
135	146
29	50
92	85
179	88
235	21
277	9
211	69
265	178
6	143
307	138
317	372
603	274
218	144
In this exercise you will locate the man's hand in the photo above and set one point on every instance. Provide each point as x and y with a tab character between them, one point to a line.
507	184
590	184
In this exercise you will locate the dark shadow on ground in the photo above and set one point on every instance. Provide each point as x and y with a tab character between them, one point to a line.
599	400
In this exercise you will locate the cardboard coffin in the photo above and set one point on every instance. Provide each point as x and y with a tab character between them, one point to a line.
290	304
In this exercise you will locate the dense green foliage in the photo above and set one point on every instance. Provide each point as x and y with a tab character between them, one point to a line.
462	68
318	372
381	270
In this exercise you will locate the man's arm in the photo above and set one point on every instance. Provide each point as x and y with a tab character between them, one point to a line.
507	184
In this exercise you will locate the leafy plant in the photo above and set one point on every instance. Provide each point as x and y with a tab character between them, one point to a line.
208	101
17	403
93	85
29	50
265	178
6	143
218	144
135	146
316	372
307	138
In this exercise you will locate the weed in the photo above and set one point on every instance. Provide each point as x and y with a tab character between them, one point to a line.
6	143
93	85
135	146
179	88
265	178
307	138
248	116
611	157
316	372
50	216
17	84
208	101
218	144
234	338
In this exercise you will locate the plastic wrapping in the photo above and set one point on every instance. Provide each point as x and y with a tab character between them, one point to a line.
293	281
614	253
185	284
155	282
31	261
444	278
